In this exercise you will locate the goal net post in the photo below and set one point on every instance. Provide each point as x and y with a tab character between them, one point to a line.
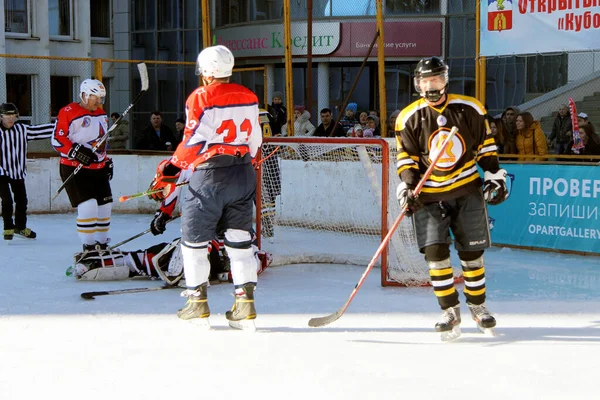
332	200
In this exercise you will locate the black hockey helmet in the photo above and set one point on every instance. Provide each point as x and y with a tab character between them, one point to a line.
428	67
9	109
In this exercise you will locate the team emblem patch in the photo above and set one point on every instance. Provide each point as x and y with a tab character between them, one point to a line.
86	122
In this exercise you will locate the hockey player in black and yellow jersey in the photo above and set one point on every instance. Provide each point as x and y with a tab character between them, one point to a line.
452	198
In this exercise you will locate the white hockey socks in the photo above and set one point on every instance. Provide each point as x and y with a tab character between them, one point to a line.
87	217
195	262
103	223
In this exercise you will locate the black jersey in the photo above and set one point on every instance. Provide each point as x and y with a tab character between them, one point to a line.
420	128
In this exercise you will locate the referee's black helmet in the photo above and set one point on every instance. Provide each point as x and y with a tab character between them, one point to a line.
9	109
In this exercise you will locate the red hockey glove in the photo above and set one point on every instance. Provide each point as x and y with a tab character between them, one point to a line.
165	179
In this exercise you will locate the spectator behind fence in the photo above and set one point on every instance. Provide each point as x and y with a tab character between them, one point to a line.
373	123
591	142
349	119
496	132
561	131
326	128
179	128
509	130
277	114
391	125
362	119
530	137
156	136
119	136
583	119
302	124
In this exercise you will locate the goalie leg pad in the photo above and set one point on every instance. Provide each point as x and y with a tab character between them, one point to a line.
196	266
116	273
168	263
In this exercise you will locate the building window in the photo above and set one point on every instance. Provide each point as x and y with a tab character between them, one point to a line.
16	16
61	93
18	91
59	15
100	18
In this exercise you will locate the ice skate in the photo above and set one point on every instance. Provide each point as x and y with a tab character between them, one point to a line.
484	319
243	313
449	326
196	309
9	234
26	233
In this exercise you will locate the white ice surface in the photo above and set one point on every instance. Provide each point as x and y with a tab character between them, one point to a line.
53	344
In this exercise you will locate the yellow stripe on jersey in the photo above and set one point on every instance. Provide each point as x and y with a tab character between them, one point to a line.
456	185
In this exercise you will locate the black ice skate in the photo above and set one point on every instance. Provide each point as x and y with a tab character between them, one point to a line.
9	234
196	309
449	325
26	233
484	319
243	313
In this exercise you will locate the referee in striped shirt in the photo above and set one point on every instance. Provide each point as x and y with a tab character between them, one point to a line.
13	155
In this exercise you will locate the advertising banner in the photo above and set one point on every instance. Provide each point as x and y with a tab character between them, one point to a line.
550	206
533	26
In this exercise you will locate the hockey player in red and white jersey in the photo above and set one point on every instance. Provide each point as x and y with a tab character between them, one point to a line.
221	138
80	125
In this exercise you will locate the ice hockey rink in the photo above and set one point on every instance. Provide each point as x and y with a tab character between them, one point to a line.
53	344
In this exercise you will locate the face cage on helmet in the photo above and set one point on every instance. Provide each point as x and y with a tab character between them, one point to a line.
431	95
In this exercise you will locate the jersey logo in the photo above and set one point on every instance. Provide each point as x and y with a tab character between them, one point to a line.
454	150
86	122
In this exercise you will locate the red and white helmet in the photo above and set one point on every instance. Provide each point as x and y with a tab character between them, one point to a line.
92	86
215	61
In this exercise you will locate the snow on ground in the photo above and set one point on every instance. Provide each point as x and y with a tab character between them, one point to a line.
132	346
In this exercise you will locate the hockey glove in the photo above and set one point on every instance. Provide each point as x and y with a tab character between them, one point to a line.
159	224
407	199
108	168
494	187
83	154
165	179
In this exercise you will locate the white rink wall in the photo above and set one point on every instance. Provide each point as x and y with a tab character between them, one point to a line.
320	193
132	175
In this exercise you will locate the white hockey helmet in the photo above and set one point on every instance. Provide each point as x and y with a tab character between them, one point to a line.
92	86
215	61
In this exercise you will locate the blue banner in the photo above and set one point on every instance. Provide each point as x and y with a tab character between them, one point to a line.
550	206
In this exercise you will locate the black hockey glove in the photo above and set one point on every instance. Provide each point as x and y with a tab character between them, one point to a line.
494	187
406	198
108	168
159	224
82	154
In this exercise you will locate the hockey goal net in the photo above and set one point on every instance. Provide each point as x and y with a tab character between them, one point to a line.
332	200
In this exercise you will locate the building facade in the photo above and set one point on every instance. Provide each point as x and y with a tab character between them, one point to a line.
169	31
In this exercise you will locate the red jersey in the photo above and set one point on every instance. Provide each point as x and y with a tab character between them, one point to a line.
221	119
76	124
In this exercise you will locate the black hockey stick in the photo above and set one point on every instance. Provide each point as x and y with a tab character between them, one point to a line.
138	235
92	295
326	320
144	77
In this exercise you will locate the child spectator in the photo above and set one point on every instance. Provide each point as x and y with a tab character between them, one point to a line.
373	123
302	124
349	119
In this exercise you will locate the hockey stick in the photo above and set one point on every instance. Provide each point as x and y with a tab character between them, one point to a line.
123	199
326	320
138	235
144	77
92	295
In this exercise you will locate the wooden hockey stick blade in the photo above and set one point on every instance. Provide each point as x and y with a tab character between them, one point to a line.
92	295
322	321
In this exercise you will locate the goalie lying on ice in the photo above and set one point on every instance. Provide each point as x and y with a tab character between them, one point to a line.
162	261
